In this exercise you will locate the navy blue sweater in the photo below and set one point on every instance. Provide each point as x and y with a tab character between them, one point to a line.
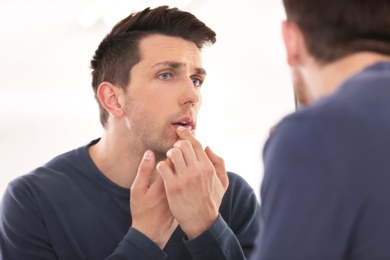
326	187
68	209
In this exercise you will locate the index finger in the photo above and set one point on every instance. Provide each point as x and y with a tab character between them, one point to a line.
185	134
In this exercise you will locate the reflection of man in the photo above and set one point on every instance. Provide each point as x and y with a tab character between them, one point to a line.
325	192
147	75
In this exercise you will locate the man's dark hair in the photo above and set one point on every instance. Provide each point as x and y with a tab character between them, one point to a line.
119	51
333	29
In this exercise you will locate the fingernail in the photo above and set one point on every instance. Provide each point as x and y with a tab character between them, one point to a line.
193	132
181	128
148	155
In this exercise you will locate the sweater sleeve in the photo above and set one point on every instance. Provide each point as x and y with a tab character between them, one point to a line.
300	204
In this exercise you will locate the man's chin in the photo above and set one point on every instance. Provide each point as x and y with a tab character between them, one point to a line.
161	151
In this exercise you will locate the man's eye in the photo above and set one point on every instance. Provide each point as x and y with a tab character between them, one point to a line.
197	82
165	76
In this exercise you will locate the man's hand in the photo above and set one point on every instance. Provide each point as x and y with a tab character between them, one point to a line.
195	182
149	206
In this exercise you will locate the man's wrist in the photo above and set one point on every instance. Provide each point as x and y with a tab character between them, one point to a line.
194	231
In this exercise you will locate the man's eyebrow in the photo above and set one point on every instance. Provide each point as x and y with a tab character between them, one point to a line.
175	65
200	71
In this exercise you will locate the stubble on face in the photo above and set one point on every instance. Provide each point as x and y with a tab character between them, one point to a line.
146	133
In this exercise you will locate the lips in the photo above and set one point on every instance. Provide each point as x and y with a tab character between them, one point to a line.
186	122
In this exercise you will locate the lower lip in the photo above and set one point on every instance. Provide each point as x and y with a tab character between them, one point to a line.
189	127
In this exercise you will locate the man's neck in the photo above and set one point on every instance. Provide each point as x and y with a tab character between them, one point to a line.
327	78
115	159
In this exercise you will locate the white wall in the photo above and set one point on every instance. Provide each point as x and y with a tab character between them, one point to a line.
47	105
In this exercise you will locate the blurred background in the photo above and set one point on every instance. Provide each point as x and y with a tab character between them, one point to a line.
47	105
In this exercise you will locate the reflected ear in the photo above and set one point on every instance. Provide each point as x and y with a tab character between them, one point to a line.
109	97
293	39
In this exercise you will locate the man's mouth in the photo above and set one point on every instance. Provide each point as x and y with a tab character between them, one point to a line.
182	123
187	123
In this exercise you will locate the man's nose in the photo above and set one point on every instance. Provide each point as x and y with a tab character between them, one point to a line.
190	94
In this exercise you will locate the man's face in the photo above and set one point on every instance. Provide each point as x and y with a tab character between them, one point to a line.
163	93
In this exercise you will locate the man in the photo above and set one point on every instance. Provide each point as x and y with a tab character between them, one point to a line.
325	192
147	75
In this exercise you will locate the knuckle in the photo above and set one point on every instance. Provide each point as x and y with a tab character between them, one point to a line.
209	168
161	166
173	152
183	144
198	173
134	192
221	160
175	188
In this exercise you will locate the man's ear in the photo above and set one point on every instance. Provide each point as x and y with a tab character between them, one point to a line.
293	40
109	97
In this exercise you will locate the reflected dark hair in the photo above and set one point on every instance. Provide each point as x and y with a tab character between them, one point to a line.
119	51
333	29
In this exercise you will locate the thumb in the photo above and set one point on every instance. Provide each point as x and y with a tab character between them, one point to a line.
219	166
145	170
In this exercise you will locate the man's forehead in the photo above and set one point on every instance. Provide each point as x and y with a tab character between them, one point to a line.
176	65
167	51
168	46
